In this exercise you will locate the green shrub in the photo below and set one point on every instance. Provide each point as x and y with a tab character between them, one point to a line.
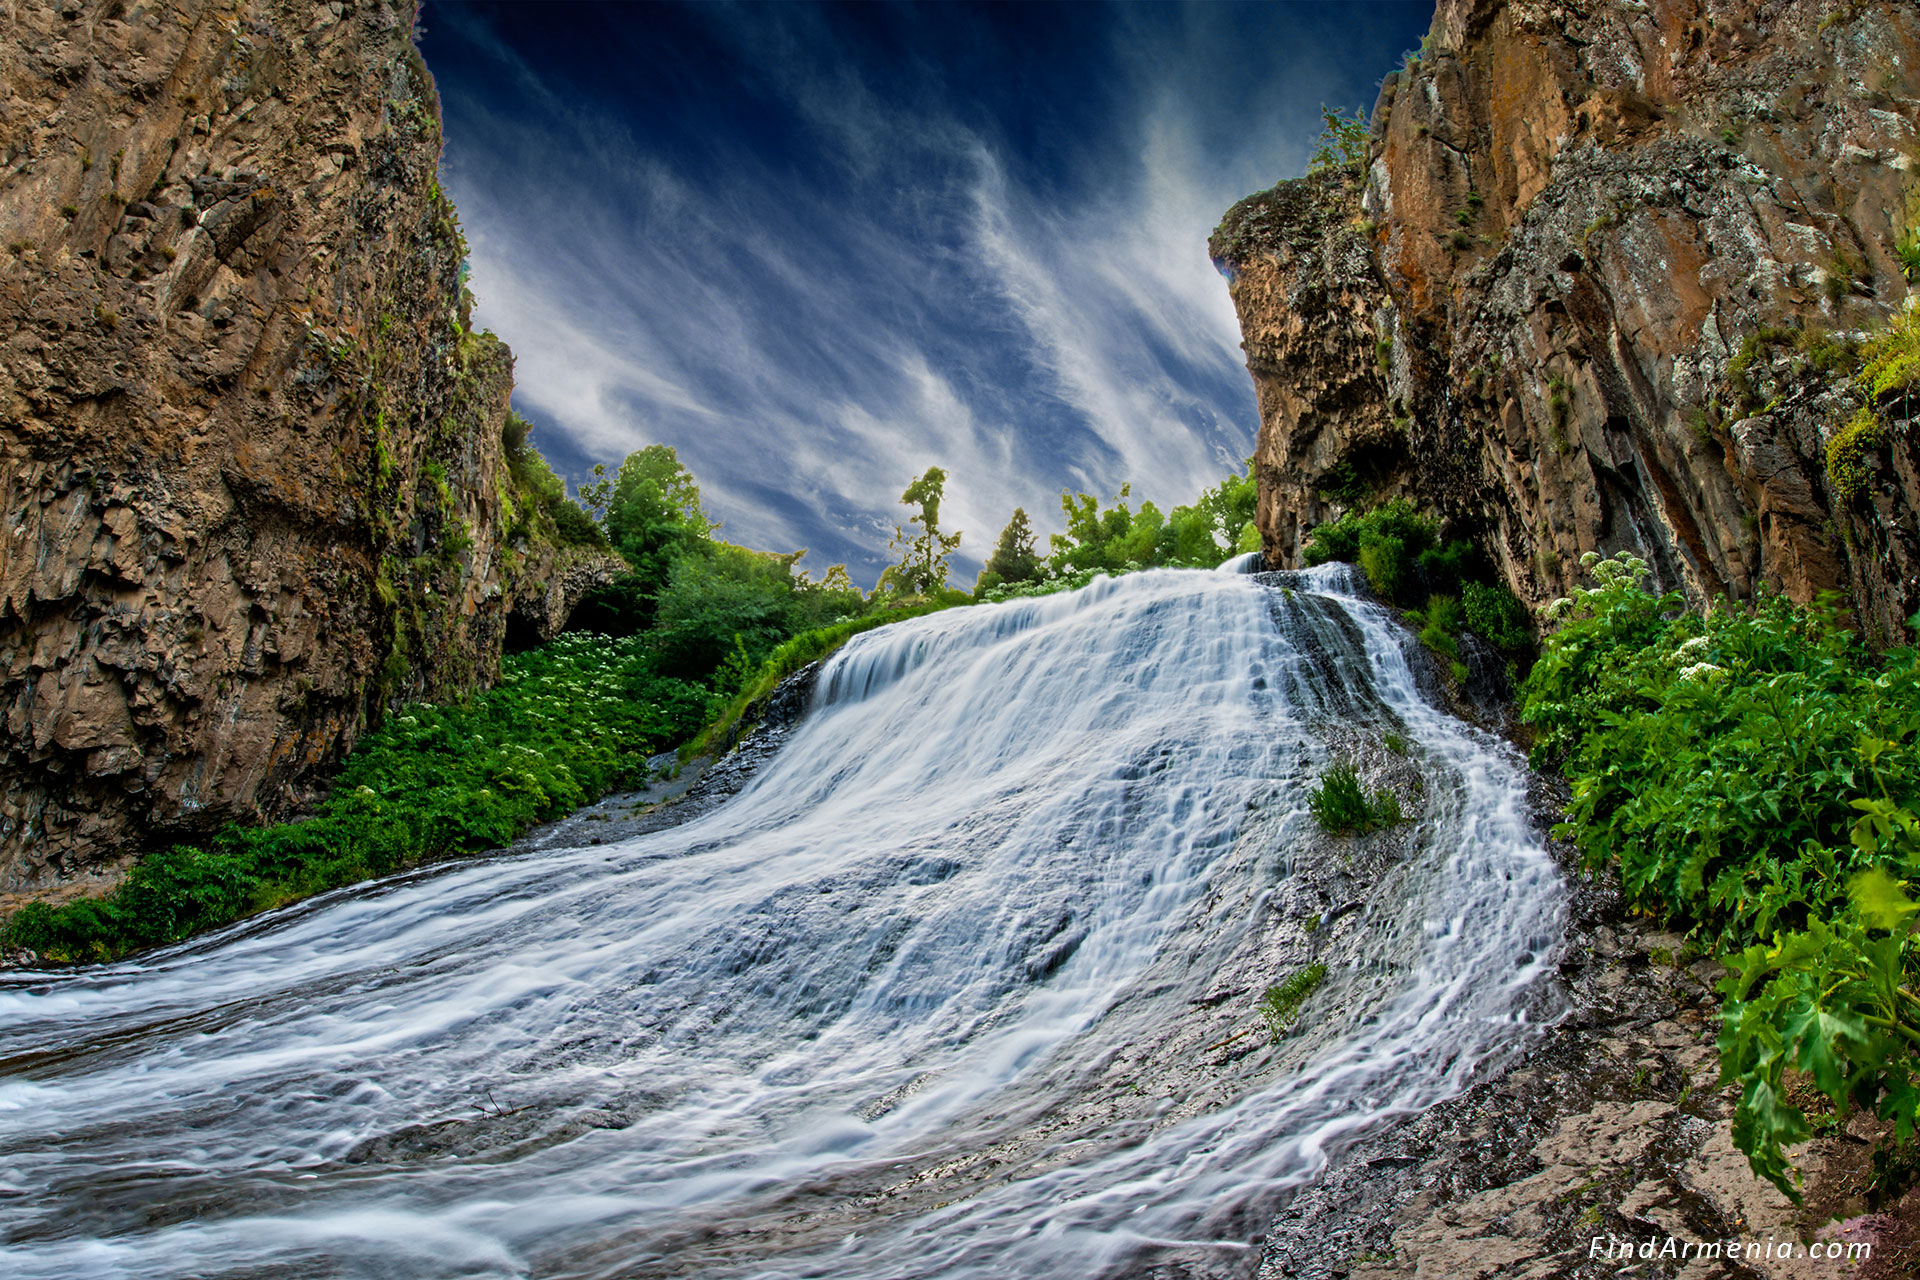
1342	807
1752	774
1440	625
1399	550
1280	1006
1493	614
1383	558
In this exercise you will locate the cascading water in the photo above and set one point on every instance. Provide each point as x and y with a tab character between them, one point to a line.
927	998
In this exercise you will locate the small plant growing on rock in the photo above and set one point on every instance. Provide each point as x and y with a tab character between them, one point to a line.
1342	145
1842	273
1343	807
1848	451
1559	411
1280	1007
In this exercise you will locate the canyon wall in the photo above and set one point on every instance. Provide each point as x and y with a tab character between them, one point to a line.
253	482
1592	290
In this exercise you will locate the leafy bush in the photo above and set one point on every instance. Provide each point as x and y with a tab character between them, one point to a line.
1752	774
567	723
1398	549
1342	145
1439	625
1344	808
1493	614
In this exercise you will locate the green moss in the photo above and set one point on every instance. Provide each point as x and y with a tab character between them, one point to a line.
1848	451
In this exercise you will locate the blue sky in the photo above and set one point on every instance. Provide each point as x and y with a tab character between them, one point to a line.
819	248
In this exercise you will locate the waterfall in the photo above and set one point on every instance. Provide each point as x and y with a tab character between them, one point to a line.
937	994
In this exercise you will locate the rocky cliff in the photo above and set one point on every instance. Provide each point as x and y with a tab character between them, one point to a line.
1595	289
253	482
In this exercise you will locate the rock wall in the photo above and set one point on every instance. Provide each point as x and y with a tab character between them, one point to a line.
252	479
1576	301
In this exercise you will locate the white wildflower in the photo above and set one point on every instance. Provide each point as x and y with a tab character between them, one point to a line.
1702	671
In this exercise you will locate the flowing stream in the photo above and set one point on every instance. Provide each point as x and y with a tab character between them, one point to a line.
925	999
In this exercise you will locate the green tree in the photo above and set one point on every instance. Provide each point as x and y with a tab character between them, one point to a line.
923	564
653	517
1015	558
718	600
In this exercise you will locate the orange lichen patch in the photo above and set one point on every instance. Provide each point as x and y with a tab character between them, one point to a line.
1530	121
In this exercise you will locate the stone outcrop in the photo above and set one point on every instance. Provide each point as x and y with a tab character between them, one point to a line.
253	485
1576	300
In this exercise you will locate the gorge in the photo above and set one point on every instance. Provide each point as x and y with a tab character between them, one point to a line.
1018	936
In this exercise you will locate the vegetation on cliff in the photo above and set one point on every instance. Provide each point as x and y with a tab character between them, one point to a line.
1445	585
1752	774
567	723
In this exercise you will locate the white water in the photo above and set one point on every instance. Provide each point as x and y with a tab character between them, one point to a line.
919	923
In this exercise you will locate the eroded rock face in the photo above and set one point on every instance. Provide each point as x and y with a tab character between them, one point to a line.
251	476
1523	314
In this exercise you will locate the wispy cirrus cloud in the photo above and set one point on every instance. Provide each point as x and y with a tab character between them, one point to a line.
818	250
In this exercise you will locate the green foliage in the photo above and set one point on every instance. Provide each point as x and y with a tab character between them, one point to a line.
539	501
654	517
922	570
1280	1006
1848	450
1398	549
566	724
1752	774
1117	539
1493	614
718	599
1342	145
1440	625
1014	558
1343	807
1907	249
1888	377
1892	369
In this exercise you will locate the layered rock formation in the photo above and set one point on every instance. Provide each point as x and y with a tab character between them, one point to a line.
1587	295
253	485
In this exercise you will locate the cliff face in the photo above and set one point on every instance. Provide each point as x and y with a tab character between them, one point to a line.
252	478
1582	296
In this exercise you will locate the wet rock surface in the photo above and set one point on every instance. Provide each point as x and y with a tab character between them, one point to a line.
1608	1127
